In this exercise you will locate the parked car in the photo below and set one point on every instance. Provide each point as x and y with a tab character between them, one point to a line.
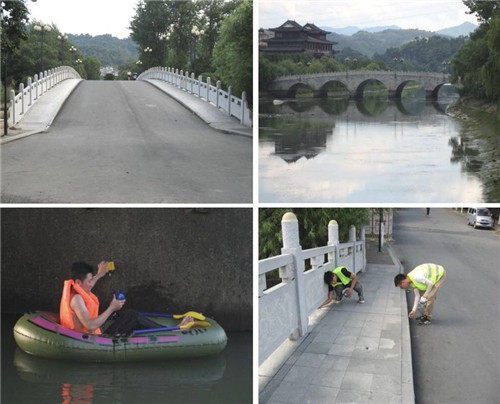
479	217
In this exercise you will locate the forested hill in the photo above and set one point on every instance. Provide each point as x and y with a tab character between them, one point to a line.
369	43
109	50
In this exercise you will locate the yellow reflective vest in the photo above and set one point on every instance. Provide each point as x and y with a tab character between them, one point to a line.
344	280
433	272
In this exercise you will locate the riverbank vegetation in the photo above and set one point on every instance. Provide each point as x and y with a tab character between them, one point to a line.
476	65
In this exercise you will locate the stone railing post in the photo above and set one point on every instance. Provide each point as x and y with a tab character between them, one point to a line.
21	92
12	96
363	239
291	245
352	239
333	239
217	97
30	90
200	82
243	107
229	94
35	83
209	83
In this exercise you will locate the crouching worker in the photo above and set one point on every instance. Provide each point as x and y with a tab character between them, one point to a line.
341	282
425	280
79	308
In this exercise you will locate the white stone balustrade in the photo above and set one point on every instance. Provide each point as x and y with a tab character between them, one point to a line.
284	309
35	88
220	99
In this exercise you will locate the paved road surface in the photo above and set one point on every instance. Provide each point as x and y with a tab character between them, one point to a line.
456	358
127	142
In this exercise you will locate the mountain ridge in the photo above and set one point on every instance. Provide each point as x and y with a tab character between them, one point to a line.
455	31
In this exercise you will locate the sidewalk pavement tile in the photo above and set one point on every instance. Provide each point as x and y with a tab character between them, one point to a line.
356	353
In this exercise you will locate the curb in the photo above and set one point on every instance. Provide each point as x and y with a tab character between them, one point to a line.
407	386
46	127
188	107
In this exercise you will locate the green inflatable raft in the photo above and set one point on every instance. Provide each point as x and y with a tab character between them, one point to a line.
40	334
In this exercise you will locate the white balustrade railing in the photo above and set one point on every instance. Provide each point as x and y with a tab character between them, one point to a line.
220	99
35	88
284	309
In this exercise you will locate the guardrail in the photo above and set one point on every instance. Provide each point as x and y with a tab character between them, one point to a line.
284	309
220	99
34	89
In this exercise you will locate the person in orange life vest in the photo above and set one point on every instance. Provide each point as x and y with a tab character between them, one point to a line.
79	309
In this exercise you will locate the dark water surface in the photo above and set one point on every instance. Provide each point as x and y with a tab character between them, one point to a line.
225	378
336	151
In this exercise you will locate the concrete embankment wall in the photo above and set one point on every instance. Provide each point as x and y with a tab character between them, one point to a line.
167	260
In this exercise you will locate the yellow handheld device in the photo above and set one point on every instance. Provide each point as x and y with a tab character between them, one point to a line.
110	266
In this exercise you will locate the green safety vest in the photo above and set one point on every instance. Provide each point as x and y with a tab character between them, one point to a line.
434	273
344	280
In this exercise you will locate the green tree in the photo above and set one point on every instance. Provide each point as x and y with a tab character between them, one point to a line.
233	50
92	68
14	16
477	63
27	58
483	9
313	226
490	72
14	19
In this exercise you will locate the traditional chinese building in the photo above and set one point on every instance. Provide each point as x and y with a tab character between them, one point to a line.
293	37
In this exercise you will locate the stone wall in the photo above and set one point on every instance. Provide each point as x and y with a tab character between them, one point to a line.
167	260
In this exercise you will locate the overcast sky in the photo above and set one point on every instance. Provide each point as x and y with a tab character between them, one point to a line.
113	17
429	15
94	17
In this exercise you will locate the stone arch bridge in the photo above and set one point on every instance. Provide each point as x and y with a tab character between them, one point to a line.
356	81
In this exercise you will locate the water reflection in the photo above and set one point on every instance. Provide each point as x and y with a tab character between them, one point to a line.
222	379
464	154
368	150
78	381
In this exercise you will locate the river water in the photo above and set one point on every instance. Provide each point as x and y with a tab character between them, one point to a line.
368	151
225	378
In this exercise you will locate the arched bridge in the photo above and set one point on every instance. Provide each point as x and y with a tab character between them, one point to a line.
356	81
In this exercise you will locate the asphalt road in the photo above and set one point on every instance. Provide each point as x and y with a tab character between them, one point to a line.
455	359
127	142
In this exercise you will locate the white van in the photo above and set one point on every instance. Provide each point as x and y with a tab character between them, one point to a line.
479	217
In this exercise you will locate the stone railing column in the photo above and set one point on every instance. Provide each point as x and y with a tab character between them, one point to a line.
333	239
217	97
352	239
291	245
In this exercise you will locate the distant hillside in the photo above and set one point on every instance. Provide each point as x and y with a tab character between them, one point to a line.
372	40
109	50
370	43
464	29
352	30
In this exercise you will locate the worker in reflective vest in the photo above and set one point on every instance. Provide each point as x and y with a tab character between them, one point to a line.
341	282
425	280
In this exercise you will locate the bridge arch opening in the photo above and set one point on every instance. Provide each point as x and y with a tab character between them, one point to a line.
371	88
334	89
443	95
410	89
300	90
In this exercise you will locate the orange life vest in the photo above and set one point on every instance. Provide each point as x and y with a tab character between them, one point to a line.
66	313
